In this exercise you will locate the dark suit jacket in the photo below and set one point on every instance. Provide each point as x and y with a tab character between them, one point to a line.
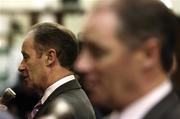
168	108
77	103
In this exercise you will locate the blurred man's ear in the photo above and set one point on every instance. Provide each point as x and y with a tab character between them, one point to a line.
50	57
151	49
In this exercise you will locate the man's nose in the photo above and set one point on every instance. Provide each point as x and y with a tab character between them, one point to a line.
21	67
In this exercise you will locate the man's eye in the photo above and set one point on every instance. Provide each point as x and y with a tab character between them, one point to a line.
25	57
95	50
97	53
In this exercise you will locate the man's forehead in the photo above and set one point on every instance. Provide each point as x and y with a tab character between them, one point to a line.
28	40
104	17
103	4
30	34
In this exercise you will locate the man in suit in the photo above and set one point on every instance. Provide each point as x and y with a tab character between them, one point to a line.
49	51
127	59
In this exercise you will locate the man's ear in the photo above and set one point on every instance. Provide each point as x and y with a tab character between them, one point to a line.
151	50
50	57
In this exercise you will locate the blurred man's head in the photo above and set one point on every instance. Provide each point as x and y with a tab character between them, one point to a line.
128	50
49	51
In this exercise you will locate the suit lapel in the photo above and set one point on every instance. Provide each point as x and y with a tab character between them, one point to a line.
71	85
162	108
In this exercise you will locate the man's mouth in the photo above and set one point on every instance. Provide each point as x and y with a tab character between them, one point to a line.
25	76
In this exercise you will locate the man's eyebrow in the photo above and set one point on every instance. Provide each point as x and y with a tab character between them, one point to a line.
86	42
91	45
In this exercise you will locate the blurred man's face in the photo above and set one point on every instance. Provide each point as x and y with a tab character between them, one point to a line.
32	66
110	69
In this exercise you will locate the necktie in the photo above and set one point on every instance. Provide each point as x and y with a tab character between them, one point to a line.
35	110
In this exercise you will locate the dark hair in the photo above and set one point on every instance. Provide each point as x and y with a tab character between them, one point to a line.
51	35
143	19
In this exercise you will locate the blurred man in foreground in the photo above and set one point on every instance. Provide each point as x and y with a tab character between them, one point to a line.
49	51
127	59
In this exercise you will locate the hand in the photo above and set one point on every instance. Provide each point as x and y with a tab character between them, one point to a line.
2	107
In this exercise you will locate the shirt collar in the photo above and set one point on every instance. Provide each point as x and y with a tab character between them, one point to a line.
58	83
145	103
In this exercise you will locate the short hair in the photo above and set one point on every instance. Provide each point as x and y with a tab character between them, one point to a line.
142	19
51	35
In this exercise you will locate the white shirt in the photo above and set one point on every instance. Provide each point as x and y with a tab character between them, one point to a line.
58	83
139	109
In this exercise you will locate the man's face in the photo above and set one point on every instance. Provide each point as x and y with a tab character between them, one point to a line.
110	69
32	66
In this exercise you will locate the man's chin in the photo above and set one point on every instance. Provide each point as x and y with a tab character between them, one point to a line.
99	101
29	85
102	104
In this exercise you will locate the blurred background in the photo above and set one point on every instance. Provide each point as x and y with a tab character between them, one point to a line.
17	16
